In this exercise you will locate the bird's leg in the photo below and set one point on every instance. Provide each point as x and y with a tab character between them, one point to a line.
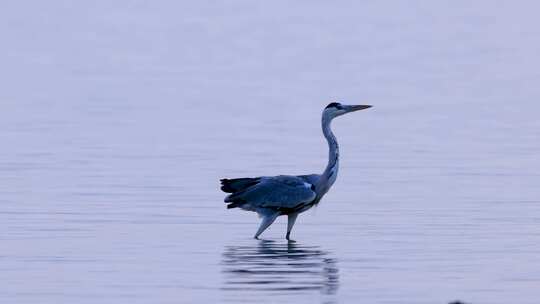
290	223
266	222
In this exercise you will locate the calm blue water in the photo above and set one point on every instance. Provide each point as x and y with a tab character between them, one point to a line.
118	119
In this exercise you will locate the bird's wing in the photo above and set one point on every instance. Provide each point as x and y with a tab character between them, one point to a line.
277	192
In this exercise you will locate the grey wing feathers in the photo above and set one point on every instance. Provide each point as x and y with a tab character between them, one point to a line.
277	192
311	178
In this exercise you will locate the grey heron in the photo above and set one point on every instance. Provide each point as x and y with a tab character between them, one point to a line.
272	196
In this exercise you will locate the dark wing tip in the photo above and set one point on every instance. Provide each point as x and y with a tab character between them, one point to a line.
225	186
233	205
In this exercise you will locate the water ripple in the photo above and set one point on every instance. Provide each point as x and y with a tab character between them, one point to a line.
276	267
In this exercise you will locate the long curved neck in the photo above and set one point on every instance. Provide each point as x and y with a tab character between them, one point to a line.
330	173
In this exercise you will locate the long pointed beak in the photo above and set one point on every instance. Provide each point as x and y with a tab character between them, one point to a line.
353	108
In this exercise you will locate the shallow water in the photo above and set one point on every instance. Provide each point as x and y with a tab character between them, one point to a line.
118	120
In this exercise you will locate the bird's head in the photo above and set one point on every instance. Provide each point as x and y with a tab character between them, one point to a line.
336	109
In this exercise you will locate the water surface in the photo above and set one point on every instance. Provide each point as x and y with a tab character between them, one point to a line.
118	119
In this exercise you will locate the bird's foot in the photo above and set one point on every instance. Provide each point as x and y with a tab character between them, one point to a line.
256	237
288	238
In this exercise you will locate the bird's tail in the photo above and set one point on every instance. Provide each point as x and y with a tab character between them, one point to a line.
233	205
237	184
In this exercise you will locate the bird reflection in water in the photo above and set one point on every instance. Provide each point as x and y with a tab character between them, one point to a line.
279	267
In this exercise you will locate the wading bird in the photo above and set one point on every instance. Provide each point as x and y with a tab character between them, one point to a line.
272	196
